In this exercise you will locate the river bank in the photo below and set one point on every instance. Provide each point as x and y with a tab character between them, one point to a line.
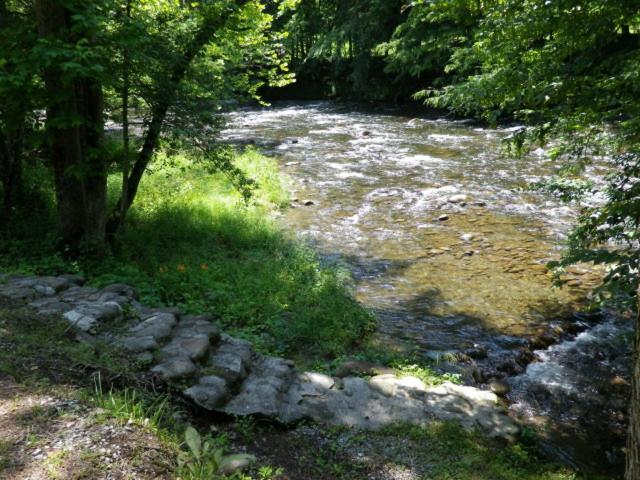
99	391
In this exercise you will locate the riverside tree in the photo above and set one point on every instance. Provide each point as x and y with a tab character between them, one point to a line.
172	63
569	71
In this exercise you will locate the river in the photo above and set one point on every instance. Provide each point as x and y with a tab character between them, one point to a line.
449	247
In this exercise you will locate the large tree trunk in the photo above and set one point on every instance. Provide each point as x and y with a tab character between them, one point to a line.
633	438
11	141
11	168
79	169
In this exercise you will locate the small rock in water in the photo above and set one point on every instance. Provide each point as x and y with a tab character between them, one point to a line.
291	164
499	388
468	253
457	198
308	203
443	218
619	381
467	237
479	204
366	133
478	352
542	341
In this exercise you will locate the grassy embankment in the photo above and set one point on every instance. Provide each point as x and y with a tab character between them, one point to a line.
192	242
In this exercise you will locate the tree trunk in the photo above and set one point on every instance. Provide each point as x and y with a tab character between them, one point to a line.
11	168
11	140
633	437
126	65
159	112
79	170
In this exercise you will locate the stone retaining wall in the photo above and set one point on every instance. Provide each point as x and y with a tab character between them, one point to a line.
222	373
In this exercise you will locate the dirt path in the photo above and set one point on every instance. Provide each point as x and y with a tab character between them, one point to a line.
51	435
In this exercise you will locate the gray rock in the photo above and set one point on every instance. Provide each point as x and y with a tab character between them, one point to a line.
457	198
228	365
57	283
318	380
175	369
158	326
258	396
139	344
210	393
73	279
19	292
443	218
189	326
195	347
121	289
50	306
81	321
274	367
108	311
45	290
499	388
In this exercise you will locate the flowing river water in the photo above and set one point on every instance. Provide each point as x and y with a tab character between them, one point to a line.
449	249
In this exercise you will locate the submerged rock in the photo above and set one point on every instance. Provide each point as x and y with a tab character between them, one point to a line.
499	388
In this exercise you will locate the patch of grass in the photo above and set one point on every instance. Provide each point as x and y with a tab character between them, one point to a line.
191	241
445	451
38	349
424	373
5	449
55	463
131	406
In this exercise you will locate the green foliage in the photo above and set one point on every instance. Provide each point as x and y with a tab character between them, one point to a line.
131	406
453	453
331	42
195	243
424	373
203	460
425	41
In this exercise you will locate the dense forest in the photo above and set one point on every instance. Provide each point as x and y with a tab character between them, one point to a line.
114	167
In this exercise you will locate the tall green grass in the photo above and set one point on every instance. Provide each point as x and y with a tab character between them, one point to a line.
192	241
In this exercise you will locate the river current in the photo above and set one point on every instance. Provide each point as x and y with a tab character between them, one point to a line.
448	247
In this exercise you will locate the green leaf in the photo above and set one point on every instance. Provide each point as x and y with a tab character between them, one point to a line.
194	441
